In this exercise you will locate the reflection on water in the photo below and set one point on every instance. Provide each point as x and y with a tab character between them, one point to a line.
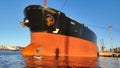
61	62
13	59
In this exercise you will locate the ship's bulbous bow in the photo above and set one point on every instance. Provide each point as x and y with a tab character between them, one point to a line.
45	44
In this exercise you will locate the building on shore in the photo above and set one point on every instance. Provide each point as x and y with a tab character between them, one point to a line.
3	47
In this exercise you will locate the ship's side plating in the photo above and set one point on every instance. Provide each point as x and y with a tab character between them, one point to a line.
52	32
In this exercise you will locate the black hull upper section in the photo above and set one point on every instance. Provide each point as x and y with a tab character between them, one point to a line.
42	19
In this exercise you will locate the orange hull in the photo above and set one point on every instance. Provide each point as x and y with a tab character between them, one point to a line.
52	44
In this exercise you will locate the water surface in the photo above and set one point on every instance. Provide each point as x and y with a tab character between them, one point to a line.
13	59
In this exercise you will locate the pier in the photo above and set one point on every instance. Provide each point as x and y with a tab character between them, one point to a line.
108	54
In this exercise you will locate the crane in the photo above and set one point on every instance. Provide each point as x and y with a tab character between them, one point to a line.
111	39
102	45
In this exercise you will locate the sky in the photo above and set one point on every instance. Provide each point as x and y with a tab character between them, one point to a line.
96	14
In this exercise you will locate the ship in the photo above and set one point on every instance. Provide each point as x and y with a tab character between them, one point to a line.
55	34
